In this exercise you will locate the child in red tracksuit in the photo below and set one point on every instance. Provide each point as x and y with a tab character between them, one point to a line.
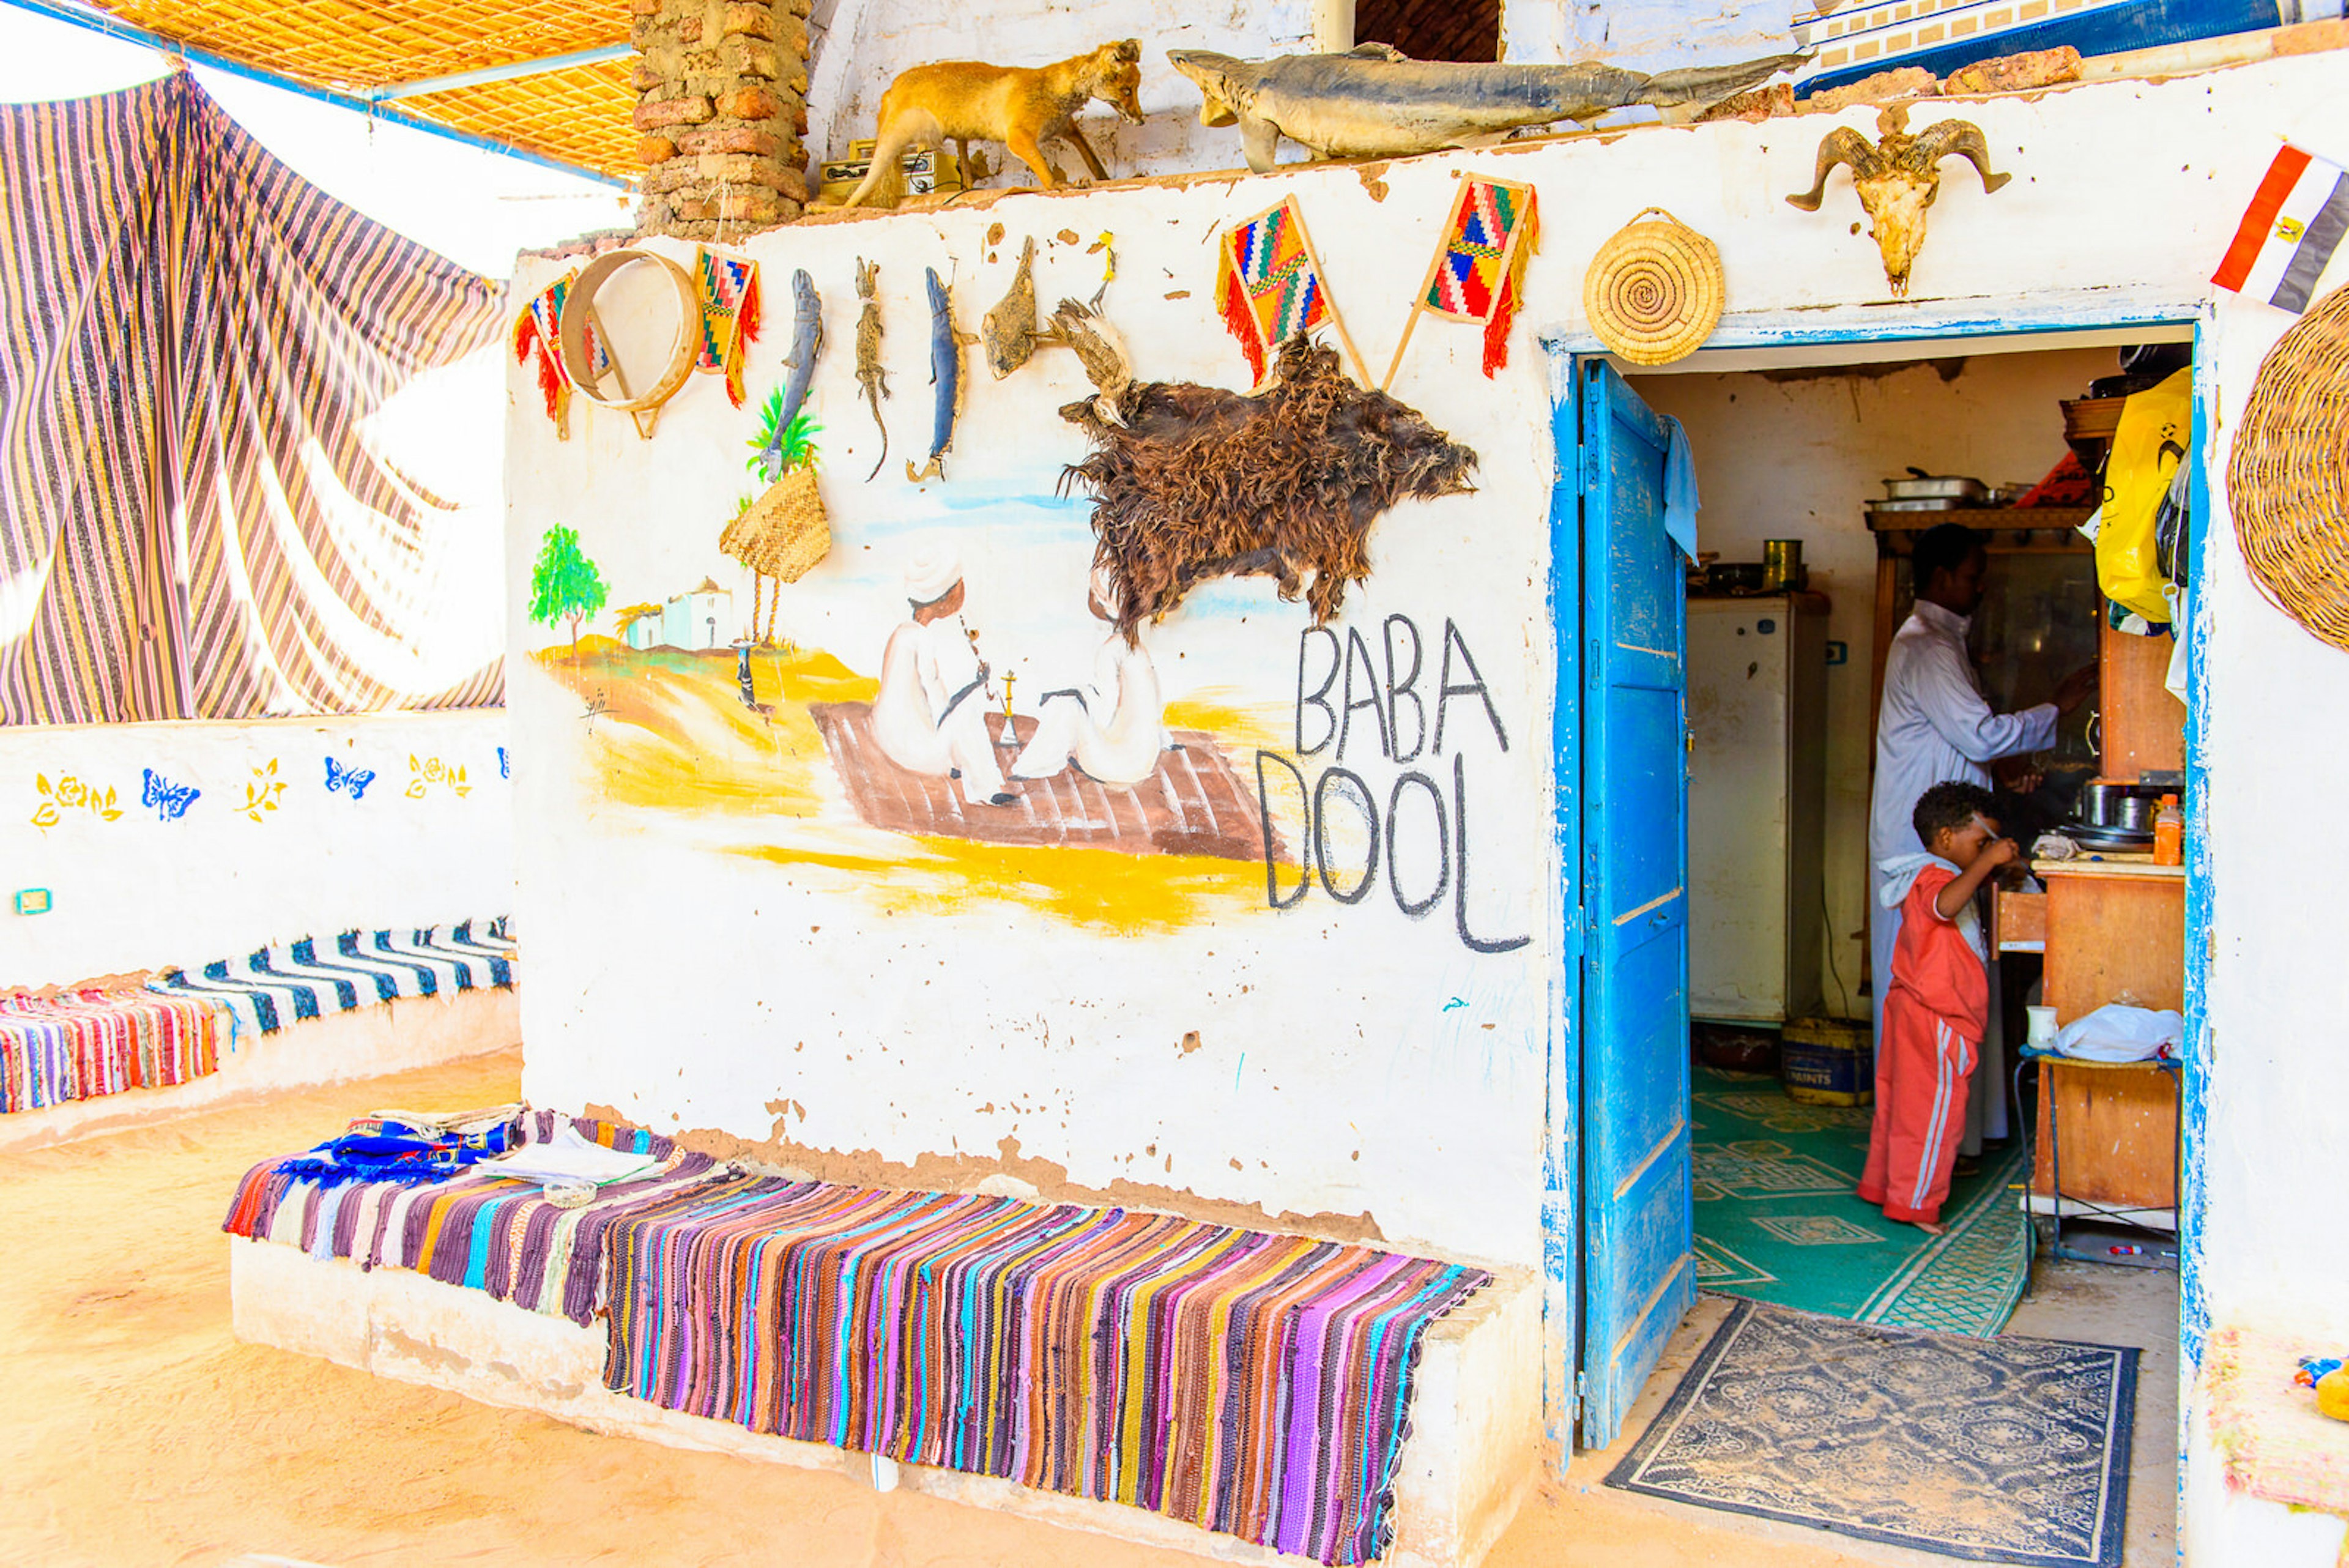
1938	1007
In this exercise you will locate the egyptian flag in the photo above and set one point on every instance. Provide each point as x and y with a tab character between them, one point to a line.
2290	232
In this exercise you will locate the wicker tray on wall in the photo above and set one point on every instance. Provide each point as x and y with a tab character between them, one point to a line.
2288	476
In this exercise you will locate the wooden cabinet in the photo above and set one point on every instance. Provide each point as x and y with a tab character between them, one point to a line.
2115	931
2143	726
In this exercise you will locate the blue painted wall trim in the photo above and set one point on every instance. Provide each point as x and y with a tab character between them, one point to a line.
1562	1149
2202	898
2068	310
113	27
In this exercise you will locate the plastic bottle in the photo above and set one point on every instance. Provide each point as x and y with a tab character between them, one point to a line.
2169	833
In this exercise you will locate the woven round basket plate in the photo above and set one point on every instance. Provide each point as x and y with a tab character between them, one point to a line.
2288	477
1653	293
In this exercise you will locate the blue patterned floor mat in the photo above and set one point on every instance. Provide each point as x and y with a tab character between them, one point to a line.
2004	1449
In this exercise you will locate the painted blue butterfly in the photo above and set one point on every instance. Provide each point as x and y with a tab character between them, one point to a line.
355	779
170	801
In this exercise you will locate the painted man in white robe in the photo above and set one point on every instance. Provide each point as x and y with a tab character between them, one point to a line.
931	714
1115	731
1934	726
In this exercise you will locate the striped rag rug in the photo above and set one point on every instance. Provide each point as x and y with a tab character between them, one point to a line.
81	1044
1253	1383
271	987
482	1231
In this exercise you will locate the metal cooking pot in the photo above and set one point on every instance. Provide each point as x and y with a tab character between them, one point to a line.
2128	807
1945	487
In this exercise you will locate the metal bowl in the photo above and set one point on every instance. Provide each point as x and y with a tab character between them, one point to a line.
1943	487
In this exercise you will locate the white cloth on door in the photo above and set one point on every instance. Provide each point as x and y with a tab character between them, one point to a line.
1681	501
1114	732
930	714
1934	726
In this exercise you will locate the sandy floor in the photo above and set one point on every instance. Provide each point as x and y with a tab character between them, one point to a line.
138	1430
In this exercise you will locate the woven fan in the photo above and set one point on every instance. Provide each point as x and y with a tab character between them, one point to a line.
1653	291
2288	477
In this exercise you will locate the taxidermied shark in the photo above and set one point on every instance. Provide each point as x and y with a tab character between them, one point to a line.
1378	103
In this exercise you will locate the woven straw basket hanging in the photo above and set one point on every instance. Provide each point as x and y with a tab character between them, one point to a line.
2288	477
1653	293
784	532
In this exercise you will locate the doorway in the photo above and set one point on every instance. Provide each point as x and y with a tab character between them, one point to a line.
1794	450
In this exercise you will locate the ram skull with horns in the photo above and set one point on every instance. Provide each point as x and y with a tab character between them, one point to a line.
1897	180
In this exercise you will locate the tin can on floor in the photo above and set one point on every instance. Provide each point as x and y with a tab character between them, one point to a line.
1827	1061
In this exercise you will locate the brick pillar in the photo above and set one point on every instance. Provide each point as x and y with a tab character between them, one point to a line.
721	104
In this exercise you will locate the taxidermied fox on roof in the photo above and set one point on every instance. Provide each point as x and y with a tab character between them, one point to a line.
1019	106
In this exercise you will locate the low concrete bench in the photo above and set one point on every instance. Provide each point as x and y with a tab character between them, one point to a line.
1467	1459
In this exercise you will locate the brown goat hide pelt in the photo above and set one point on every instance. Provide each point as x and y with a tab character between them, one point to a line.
1194	483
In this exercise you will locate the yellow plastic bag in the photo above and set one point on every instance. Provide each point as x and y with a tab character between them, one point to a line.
2150	448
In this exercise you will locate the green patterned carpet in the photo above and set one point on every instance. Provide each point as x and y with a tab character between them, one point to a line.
1776	1219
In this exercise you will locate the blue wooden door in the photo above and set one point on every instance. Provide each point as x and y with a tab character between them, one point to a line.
1639	1277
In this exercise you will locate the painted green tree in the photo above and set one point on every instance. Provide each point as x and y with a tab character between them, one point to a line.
564	583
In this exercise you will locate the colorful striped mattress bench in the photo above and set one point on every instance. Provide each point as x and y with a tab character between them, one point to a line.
273	986
1246	1382
84	1042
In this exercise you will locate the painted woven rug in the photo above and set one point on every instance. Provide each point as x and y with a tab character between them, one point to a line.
81	1044
1248	1383
271	987
2000	1450
1777	1219
479	1231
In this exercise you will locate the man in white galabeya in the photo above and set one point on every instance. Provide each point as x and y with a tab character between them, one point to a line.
1934	726
931	714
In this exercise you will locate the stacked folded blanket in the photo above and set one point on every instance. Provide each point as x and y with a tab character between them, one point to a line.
81	1044
1247	1382
274	986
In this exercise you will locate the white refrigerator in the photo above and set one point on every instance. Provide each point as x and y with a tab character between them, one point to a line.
1757	800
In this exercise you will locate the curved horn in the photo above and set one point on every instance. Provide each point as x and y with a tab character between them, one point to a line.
1955	138
1841	145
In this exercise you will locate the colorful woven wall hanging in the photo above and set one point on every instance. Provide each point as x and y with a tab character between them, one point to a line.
1654	291
1269	286
729	316
538	330
1479	271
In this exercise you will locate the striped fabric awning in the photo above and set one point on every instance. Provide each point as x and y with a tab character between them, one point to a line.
197	517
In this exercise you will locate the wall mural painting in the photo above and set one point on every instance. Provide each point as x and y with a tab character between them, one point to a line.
168	801
430	773
260	791
74	794
928	767
352	782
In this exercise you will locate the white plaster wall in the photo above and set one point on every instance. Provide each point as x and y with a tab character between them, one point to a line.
141	891
1646	34
1781	459
2279	746
1351	1060
1334	1074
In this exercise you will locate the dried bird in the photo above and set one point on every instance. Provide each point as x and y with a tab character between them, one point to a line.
1897	180
870	376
